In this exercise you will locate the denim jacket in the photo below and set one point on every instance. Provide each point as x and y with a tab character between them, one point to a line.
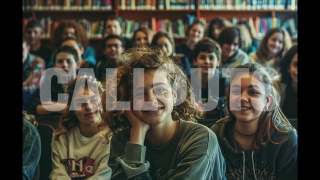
31	150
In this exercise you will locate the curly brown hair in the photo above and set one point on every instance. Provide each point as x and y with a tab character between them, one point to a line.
80	32
147	58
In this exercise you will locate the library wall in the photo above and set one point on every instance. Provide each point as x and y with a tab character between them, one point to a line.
173	16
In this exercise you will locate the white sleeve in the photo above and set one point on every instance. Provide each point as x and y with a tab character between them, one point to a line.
59	171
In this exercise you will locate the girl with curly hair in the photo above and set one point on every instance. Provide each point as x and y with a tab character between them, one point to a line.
71	28
79	147
152	114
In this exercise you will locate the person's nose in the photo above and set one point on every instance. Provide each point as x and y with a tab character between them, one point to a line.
244	97
65	64
151	97
207	60
164	49
232	47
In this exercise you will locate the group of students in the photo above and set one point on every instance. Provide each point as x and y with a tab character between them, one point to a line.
139	120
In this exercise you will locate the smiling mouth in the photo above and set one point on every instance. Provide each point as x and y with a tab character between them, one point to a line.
245	108
89	114
153	109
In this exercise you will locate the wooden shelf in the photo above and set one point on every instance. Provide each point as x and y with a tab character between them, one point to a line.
157	11
70	11
148	14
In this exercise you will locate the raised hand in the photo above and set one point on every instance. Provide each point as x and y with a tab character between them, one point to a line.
139	128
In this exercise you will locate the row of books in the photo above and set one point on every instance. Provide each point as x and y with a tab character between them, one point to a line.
177	27
157	4
248	4
94	29
160	4
67	5
262	25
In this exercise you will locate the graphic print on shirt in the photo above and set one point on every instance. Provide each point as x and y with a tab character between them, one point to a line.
79	169
263	170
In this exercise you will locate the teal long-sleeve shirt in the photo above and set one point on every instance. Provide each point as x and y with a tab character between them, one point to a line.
193	153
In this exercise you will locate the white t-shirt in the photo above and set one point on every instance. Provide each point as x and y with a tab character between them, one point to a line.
75	155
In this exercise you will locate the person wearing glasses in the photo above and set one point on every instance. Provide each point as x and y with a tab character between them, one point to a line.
113	47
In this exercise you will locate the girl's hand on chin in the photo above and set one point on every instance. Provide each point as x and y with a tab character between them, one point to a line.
136	122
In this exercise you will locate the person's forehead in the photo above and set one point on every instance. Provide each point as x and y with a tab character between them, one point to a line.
205	53
197	27
248	77
141	33
151	78
64	54
113	22
112	40
70	42
69	29
162	39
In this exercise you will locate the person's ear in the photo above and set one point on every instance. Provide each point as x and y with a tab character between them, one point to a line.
123	49
268	103
105	51
174	96
41	31
194	62
218	62
82	50
120	30
79	63
28	47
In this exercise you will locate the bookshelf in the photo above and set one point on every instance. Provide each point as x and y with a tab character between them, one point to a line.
155	10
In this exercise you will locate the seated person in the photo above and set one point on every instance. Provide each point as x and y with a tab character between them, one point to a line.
113	26
154	134
232	55
31	147
33	34
165	42
49	99
32	68
194	33
274	44
142	36
79	147
71	28
287	83
69	41
113	46
207	81
216	26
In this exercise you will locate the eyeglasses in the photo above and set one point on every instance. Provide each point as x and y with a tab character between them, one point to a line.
109	46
